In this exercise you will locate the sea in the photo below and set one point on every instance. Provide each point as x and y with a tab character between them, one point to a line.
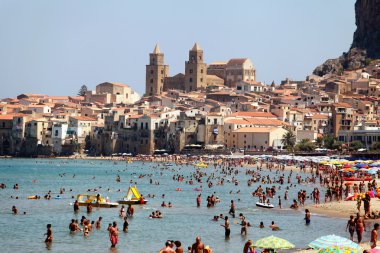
183	222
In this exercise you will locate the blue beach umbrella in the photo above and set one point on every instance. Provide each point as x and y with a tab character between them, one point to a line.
332	240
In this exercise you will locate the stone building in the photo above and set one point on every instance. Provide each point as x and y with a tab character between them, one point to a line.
234	71
156	72
342	118
195	70
111	92
176	82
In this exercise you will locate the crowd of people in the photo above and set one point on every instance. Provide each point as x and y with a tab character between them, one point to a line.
266	192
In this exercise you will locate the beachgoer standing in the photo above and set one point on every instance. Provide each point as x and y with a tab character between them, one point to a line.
49	234
198	246
374	235
227	230
114	234
307	216
351	227
130	210
232	209
98	223
76	206
126	224
360	227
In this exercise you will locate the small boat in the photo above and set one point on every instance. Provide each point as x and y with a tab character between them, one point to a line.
95	201
201	165
168	164
263	205
133	197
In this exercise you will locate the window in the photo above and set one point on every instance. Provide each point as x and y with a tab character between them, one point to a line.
202	71
201	79
215	121
190	80
146	125
151	72
142	126
191	71
151	80
162	72
162	80
56	133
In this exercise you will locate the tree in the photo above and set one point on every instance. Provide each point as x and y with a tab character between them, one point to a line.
82	91
319	142
328	140
289	140
355	145
338	145
305	145
376	146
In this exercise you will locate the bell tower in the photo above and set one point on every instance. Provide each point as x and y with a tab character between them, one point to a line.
156	72
195	70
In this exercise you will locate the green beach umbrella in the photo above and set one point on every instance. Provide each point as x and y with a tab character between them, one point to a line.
273	242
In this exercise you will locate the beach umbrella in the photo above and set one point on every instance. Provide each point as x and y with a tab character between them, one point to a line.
332	240
361	165
337	249
273	242
375	250
372	172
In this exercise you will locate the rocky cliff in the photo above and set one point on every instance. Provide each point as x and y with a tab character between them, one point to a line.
367	34
366	42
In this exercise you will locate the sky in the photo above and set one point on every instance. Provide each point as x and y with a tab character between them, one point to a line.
54	47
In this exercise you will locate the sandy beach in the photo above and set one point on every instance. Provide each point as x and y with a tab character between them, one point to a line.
342	209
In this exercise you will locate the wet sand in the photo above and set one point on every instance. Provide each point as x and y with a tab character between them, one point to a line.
342	209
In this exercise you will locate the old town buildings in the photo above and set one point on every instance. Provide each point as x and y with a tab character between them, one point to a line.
221	106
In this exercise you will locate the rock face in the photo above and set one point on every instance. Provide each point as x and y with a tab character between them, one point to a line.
367	34
354	59
366	42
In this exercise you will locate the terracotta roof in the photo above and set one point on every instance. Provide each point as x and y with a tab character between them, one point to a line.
83	118
253	114
346	105
135	116
236	61
6	117
57	97
320	116
255	130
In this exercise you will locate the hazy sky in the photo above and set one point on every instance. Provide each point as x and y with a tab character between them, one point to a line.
53	47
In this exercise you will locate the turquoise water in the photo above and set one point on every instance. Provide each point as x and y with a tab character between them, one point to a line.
183	222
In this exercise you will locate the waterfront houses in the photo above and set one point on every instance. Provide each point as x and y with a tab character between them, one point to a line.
220	107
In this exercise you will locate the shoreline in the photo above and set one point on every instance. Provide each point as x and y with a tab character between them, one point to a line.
342	209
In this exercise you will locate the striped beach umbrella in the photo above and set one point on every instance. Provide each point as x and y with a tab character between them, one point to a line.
273	242
337	249
332	240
